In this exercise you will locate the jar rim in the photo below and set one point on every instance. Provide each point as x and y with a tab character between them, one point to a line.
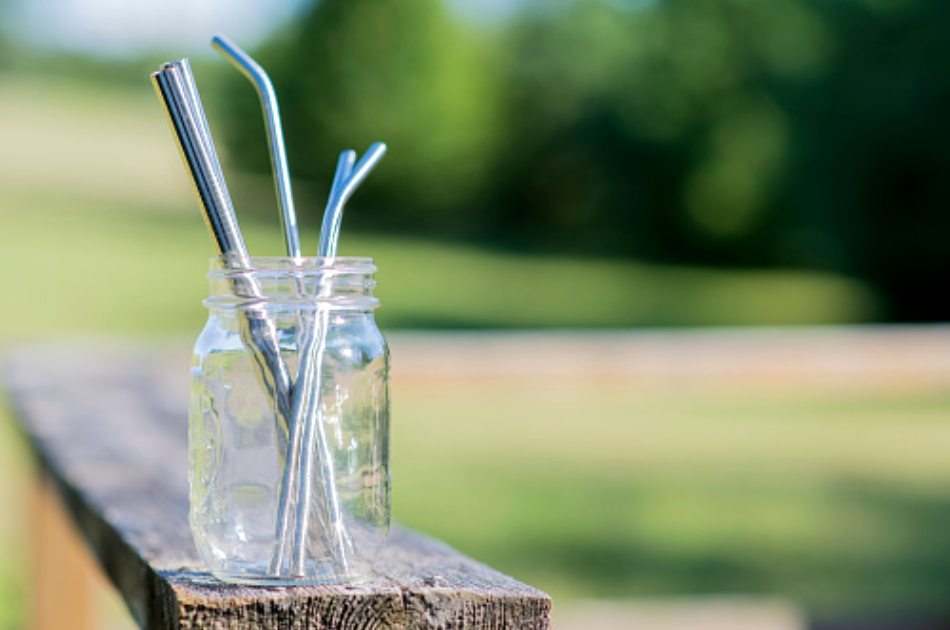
217	261
221	265
280	282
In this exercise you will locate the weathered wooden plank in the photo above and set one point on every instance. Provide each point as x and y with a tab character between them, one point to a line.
109	423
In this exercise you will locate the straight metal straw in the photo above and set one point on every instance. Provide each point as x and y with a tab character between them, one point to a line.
275	136
178	94
174	84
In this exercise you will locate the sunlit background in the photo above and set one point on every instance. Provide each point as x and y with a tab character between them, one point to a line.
612	168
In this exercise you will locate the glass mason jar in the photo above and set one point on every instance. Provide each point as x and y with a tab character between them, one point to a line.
289	422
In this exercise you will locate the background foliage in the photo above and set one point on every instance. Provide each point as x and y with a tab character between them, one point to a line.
792	133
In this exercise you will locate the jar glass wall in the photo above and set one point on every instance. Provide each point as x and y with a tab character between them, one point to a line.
289	423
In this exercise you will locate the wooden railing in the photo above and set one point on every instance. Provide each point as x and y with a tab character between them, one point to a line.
108	427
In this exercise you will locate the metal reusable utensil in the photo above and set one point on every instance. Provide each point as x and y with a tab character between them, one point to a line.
307	403
264	87
175	86
278	158
275	136
344	166
309	438
253	71
178	93
290	490
339	195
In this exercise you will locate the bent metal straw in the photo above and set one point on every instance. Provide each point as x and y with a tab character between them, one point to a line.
309	439
308	411
275	136
308	435
295	485
291	478
290	491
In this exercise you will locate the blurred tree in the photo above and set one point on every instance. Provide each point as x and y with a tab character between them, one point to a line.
668	108
402	71
726	132
880	150
789	132
6	51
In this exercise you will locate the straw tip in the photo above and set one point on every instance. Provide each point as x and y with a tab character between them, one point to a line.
170	65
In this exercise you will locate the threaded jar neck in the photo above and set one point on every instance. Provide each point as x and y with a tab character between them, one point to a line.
282	283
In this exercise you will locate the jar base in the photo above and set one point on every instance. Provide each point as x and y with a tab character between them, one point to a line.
257	575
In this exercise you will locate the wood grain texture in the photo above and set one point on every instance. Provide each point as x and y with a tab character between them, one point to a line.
108	421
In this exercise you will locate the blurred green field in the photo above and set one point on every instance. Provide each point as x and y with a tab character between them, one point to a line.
838	500
129	270
95	207
582	489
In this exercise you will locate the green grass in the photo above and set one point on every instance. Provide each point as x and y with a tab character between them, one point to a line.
99	231
71	264
838	500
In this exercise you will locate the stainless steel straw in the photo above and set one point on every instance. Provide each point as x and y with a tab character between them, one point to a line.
178	93
275	136
290	491
339	195
307	410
